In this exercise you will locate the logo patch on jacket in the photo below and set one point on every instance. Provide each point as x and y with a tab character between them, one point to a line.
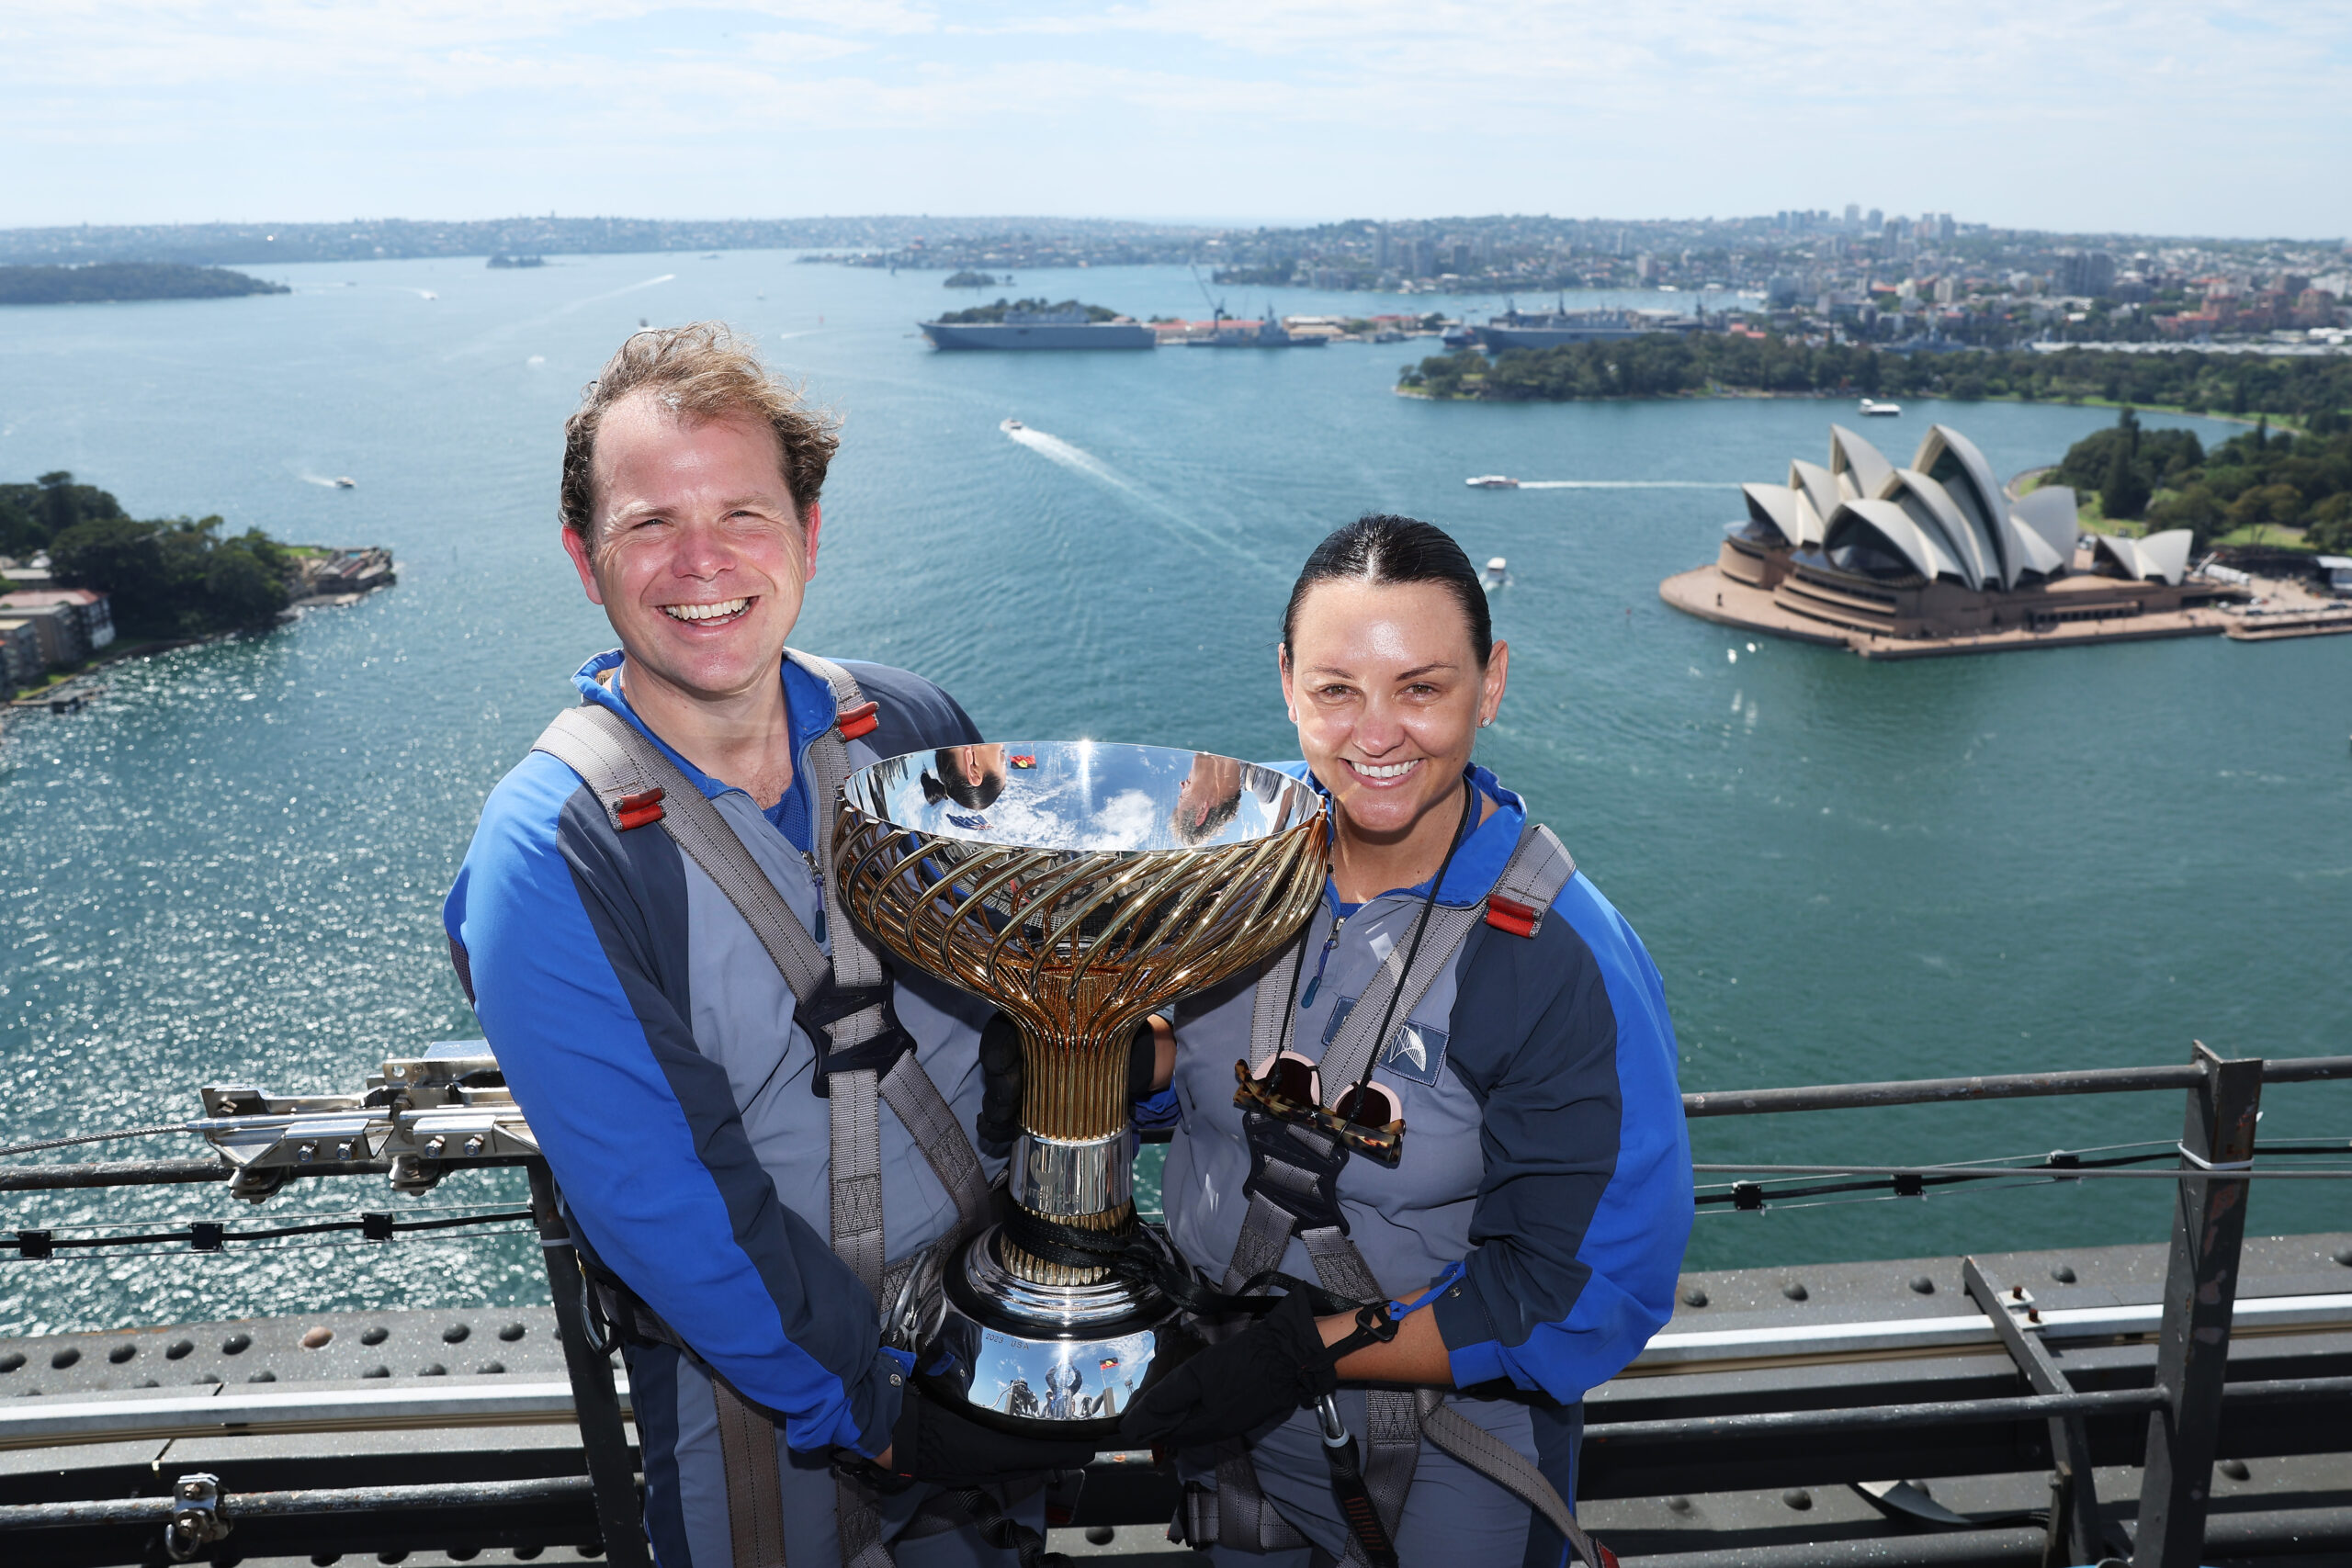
1415	1052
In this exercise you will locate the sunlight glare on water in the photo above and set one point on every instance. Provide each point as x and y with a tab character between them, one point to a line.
230	868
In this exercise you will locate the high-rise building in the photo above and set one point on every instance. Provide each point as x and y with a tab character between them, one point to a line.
2086	273
1853	214
1877	220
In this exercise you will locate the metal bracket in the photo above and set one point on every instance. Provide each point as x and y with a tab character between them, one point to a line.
196	1521
2074	1502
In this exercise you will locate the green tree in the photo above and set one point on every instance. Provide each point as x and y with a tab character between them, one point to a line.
2197	509
2279	503
117	556
240	590
2123	492
2329	526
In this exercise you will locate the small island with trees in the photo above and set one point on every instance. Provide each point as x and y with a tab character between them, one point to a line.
109	282
967	279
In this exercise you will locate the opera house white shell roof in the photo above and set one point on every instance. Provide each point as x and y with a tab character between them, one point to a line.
1941	517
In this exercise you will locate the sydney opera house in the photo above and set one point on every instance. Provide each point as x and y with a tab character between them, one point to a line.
1873	555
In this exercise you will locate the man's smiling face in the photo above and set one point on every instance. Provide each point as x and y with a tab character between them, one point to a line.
698	553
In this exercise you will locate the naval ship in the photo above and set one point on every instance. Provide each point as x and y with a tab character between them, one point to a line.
2175	1404
1552	329
1062	326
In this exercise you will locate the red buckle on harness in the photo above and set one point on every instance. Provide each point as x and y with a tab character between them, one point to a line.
859	720
637	810
1505	915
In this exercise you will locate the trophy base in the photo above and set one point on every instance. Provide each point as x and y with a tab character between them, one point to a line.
1047	1361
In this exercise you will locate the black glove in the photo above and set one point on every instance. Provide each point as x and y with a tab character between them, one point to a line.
934	1443
1143	1062
1000	1120
1274	1367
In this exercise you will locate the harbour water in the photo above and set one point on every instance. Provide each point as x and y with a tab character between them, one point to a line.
230	868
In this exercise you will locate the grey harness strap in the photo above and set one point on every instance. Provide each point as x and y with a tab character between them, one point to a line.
754	1489
619	764
1395	1421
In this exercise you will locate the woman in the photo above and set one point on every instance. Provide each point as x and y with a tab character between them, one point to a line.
1496	1144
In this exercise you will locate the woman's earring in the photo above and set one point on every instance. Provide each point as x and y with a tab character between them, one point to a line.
1486	721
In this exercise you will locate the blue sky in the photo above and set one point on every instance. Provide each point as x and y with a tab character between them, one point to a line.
2153	116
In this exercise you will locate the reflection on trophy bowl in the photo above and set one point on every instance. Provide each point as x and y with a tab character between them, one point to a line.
1080	887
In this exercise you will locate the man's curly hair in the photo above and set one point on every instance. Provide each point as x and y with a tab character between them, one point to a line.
698	371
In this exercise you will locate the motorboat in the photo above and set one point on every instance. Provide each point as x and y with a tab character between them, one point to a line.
1491	481
1011	425
346	482
1881	411
1497	573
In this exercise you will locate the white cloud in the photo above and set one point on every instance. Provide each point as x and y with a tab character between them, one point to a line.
2009	111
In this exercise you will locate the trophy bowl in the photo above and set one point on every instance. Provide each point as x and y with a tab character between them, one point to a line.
1080	887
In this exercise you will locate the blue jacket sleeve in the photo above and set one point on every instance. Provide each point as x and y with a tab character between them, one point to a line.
1585	1204
568	936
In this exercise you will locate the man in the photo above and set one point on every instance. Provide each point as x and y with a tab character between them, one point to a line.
722	1076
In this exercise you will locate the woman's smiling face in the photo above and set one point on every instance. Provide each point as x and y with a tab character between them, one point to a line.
1388	694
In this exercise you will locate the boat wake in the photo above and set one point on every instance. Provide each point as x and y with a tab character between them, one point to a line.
1627	484
1054	449
323	481
497	334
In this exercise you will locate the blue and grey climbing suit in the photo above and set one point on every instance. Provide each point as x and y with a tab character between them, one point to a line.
679	1084
1543	1188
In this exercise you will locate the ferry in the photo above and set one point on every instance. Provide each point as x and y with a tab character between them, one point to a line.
1491	481
1880	410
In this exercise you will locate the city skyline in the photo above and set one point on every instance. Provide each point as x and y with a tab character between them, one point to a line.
2077	117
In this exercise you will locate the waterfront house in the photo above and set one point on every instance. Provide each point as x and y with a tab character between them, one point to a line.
20	661
83	617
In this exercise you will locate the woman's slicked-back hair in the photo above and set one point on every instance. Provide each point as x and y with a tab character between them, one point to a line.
699	371
1379	549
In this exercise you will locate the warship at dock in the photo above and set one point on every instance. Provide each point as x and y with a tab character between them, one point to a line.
1558	328
1068	328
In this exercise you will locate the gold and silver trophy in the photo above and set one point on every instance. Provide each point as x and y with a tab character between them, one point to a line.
1080	887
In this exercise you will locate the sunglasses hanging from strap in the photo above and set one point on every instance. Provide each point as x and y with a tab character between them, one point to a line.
1365	1117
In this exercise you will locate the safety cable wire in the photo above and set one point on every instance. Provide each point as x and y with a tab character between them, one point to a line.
300	1214
156	1131
35	1244
2064	1163
269	1247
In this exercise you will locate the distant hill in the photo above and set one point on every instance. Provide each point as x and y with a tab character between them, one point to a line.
380	239
124	280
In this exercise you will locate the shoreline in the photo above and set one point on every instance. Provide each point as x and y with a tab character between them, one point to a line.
1739	394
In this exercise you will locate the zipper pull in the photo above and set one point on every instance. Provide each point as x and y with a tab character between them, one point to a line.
1307	999
817	880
